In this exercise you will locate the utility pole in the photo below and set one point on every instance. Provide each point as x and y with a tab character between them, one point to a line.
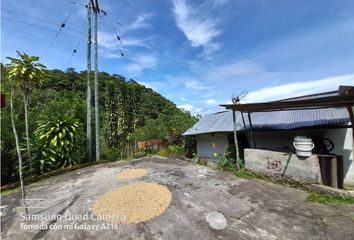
89	131
97	126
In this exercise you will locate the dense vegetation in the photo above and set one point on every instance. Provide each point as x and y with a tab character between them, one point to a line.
129	112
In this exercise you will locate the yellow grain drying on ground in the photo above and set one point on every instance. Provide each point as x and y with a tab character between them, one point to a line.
133	203
132	173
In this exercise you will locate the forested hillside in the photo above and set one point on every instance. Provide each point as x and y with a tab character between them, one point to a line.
57	121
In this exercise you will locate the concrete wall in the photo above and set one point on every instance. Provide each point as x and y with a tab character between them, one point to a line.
283	141
208	144
284	165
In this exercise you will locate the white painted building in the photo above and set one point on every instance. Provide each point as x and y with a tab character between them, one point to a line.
276	131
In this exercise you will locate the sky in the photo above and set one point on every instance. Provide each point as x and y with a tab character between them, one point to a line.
196	53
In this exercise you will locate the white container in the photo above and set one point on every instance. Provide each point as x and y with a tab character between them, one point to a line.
303	146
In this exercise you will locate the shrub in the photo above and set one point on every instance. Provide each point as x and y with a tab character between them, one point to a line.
56	143
110	154
226	163
172	151
138	154
176	150
190	144
231	153
164	152
196	158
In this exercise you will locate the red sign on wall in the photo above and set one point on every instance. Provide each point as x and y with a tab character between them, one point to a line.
3	103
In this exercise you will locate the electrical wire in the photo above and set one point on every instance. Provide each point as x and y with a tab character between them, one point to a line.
138	13
40	19
70	1
158	50
57	34
72	54
37	26
133	58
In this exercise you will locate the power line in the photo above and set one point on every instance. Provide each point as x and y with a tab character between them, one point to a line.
70	1
72	54
41	19
137	12
158	50
37	26
57	34
139	62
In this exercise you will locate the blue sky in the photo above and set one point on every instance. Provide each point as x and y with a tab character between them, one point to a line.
197	53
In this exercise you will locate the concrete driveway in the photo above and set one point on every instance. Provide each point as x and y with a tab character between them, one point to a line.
253	209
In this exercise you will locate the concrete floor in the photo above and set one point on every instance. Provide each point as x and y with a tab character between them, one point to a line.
253	209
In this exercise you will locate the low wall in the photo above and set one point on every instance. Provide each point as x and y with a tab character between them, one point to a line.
154	145
285	165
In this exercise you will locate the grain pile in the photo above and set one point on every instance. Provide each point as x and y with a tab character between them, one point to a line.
133	203
133	173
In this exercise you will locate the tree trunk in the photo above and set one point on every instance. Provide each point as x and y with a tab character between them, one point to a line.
25	101
17	146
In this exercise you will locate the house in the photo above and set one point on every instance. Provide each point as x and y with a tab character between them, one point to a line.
328	127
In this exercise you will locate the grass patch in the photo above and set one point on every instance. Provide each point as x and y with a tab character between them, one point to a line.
245	174
228	166
312	197
10	192
165	152
327	199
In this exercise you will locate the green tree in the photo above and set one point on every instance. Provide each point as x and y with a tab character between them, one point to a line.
27	72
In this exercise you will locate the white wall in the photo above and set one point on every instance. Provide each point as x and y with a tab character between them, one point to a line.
343	145
205	144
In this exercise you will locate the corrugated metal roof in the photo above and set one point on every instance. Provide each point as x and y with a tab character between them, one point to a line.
311	96
222	121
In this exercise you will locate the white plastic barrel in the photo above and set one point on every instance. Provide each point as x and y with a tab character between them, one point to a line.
303	146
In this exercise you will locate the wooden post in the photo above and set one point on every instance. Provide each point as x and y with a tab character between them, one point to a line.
235	138
88	117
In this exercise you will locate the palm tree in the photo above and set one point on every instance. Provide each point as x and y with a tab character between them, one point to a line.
26	72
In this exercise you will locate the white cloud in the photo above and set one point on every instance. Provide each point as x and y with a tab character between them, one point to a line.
210	101
201	30
187	107
195	85
110	41
183	99
140	63
299	88
140	22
